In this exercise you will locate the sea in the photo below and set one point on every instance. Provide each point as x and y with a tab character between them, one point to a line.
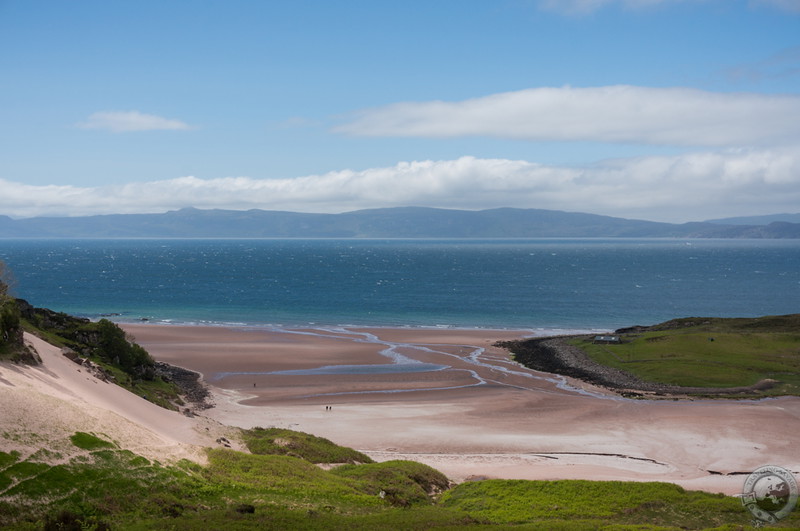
546	285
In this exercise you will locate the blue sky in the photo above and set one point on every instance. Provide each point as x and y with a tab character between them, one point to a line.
670	110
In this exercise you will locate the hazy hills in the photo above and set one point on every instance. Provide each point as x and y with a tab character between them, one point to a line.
758	220
404	222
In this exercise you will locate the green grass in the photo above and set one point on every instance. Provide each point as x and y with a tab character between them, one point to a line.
277	441
109	486
87	441
591	504
715	353
109	483
8	459
401	483
285	480
283	518
114	486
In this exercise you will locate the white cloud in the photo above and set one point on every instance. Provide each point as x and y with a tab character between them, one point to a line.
619	114
126	121
681	188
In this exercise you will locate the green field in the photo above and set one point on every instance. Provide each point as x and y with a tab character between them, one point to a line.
712	353
103	487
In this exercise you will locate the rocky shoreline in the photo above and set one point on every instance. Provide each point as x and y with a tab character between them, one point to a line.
193	390
556	355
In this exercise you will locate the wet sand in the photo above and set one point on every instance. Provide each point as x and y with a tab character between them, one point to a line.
472	412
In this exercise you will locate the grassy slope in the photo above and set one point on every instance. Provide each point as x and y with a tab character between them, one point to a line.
101	484
562	504
711	353
278	441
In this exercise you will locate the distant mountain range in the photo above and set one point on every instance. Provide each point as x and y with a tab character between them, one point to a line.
758	220
404	222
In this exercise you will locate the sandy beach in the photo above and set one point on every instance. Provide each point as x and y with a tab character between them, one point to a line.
448	398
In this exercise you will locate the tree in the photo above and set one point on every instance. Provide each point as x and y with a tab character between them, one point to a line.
115	348
10	329
6	279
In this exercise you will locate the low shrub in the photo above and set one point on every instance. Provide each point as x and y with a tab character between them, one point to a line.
277	441
401	483
87	441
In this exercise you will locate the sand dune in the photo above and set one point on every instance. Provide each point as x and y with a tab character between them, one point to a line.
50	402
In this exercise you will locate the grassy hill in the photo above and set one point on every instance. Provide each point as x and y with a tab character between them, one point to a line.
727	358
762	354
99	486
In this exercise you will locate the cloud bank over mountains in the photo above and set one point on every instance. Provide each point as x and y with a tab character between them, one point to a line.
705	185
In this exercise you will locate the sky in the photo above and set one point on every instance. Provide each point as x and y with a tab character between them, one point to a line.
665	110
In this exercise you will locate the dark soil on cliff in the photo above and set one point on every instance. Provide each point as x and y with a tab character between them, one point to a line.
192	389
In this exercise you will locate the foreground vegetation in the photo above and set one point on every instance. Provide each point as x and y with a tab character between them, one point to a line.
710	353
96	485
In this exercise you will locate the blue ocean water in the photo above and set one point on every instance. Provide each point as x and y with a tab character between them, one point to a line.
532	284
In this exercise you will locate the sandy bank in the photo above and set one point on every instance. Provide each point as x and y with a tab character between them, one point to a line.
50	402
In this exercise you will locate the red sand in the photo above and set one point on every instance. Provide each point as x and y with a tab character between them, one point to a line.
483	416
